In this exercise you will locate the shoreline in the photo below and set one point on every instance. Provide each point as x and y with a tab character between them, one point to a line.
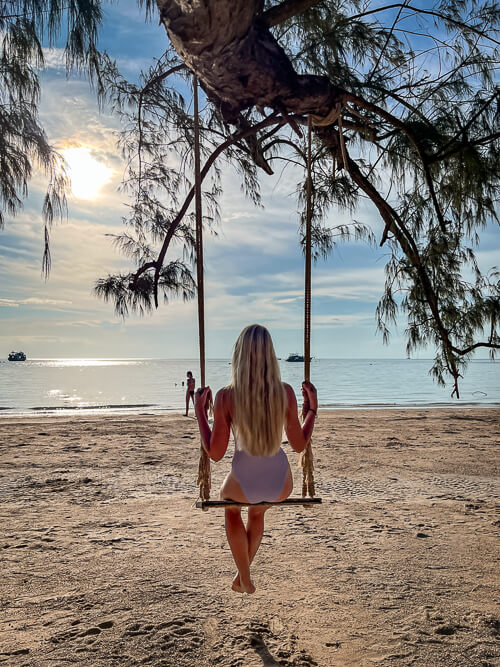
137	411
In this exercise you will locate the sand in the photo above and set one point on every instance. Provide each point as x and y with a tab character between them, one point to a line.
105	560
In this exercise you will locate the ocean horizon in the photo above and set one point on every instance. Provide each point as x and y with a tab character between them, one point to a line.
137	385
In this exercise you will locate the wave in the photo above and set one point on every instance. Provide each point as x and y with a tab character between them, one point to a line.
129	406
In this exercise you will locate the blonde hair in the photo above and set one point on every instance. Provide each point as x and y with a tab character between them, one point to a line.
259	397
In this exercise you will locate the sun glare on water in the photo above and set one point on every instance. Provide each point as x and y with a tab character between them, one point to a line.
87	174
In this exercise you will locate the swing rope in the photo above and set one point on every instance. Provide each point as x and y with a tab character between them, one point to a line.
306	457
204	464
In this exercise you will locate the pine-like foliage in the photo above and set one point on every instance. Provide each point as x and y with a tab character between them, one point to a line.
421	139
157	145
435	161
24	26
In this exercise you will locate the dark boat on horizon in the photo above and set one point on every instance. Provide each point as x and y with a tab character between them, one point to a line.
17	356
295	357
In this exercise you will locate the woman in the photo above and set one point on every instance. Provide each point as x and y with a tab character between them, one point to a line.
256	405
191	383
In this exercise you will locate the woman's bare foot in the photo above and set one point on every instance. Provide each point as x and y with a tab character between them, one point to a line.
236	586
241	588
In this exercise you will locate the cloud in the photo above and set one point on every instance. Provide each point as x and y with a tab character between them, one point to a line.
487	259
70	114
54	58
93	324
34	301
360	284
81	253
29	340
335	321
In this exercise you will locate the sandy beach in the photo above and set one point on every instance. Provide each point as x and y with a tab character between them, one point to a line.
105	560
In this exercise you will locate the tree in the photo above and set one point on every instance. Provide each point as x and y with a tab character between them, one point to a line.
366	75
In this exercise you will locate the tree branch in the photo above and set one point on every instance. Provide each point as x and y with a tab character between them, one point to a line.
459	24
396	225
287	10
463	147
403	127
158	263
388	38
494	346
466	126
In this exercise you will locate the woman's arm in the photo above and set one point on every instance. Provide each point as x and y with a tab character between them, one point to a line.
298	436
214	441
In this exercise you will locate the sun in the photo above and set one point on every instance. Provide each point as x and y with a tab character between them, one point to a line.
87	174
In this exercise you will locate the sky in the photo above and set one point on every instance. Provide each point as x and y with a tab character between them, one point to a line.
253	267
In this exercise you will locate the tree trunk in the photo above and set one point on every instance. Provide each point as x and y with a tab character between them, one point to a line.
238	61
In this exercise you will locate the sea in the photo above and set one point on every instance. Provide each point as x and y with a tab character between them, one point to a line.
116	386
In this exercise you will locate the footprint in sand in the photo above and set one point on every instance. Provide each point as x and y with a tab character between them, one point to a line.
77	633
179	638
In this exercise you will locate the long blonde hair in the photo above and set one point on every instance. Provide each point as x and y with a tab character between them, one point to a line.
259	397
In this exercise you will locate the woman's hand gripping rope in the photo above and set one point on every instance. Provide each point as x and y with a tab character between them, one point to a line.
204	400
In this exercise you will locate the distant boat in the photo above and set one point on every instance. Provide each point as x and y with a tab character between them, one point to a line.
17	356
295	357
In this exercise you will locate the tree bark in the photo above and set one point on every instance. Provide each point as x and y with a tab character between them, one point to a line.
238	61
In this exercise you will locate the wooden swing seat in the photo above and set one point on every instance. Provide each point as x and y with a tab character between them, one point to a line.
207	504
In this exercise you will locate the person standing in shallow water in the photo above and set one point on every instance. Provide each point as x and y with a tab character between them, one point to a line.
191	383
256	406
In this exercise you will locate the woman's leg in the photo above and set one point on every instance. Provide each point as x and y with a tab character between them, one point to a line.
236	535
255	530
255	523
238	542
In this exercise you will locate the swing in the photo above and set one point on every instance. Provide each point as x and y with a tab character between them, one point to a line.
306	458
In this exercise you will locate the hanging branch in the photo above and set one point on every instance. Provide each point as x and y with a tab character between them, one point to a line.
158	263
395	224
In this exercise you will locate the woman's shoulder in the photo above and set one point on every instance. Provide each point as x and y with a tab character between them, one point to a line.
224	398
225	393
290	396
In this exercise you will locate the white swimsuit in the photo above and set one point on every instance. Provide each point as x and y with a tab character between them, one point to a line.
261	477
